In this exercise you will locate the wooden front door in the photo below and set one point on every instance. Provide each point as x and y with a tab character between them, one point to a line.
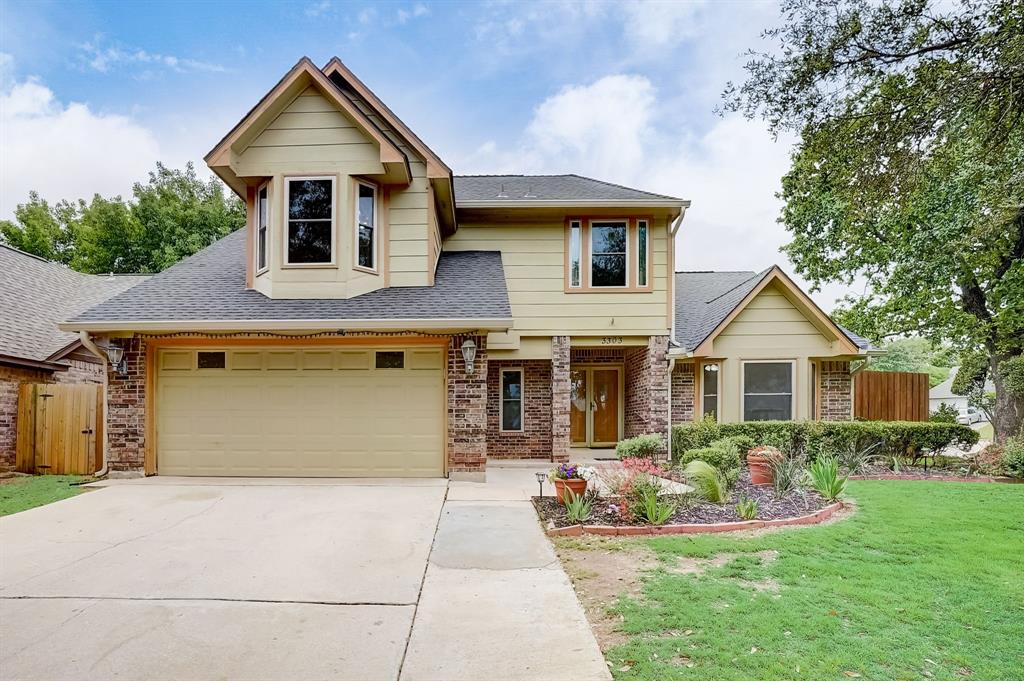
595	411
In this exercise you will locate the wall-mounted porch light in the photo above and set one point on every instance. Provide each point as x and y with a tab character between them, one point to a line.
469	354
115	353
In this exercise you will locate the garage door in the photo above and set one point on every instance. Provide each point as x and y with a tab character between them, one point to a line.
340	412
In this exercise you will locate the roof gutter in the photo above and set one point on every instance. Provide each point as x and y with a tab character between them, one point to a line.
42	365
576	203
345	325
90	345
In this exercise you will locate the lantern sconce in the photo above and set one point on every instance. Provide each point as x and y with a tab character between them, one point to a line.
115	353
469	354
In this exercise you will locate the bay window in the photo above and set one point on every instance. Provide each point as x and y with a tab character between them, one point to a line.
768	390
366	222
310	218
262	227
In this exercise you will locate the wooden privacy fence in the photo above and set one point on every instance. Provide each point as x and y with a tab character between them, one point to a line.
59	428
890	396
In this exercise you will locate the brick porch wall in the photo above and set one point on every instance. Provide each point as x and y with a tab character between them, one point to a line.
561	391
647	384
126	409
535	440
682	393
467	408
836	387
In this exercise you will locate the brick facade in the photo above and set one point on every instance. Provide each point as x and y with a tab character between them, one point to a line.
835	391
682	393
534	442
126	409
647	388
79	371
467	408
561	392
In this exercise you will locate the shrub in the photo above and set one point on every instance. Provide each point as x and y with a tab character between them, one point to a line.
824	475
741	444
619	480
946	413
648	446
579	508
708	482
811	438
788	474
725	459
651	508
1013	456
747	508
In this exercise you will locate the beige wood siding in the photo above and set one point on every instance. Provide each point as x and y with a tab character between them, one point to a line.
311	136
533	255
317	412
770	327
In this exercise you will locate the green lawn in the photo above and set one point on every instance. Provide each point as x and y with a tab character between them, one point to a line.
925	581
986	432
22	493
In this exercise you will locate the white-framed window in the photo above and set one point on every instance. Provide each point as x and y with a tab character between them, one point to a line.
643	245
768	390
262	227
575	253
511	410
710	382
609	253
309	220
366	226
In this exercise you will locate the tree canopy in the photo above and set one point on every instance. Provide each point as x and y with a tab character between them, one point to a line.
169	217
909	169
917	355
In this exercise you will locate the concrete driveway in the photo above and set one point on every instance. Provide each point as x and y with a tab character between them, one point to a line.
212	579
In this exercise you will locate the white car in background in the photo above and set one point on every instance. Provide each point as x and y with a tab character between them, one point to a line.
969	415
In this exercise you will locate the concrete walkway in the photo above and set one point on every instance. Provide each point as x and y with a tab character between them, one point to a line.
169	578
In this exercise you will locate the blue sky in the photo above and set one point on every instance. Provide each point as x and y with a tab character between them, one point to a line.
93	93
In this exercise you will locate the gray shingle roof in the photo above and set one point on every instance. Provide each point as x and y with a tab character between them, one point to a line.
210	285
35	295
704	299
525	188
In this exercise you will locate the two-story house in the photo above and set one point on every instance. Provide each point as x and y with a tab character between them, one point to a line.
379	316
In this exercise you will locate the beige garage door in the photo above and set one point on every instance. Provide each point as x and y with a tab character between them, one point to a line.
340	412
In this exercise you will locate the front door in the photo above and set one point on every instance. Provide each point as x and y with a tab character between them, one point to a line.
595	406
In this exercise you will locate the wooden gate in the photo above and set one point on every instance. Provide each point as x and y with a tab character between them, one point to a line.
890	396
60	428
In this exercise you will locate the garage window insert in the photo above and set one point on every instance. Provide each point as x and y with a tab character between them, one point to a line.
210	360
310	217
390	359
512	400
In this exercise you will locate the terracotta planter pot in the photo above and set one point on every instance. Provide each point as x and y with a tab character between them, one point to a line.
578	487
760	469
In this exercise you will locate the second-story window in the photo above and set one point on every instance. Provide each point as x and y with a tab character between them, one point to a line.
642	247
608	253
262	226
310	217
366	219
575	251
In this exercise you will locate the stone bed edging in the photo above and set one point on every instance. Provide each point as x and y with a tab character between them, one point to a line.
692	528
937	478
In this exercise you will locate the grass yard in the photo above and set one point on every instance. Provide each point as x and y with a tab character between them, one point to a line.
925	581
23	492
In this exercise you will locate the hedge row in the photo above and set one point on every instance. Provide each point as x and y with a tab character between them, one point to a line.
888	438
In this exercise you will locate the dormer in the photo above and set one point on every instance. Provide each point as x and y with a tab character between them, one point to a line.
342	198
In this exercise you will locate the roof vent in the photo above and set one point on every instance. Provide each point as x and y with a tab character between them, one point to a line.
529	193
501	192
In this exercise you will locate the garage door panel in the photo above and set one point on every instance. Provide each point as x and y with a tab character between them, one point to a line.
320	412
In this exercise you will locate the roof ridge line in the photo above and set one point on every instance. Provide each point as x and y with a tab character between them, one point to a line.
757	275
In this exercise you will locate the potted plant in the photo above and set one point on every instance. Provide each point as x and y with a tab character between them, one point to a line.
761	459
568	476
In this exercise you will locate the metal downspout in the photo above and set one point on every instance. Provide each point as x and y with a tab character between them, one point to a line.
91	346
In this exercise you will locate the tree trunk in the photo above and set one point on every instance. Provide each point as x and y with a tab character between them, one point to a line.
1009	409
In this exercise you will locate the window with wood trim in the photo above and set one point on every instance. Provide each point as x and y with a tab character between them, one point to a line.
607	254
310	220
262	227
709	387
366	226
511	400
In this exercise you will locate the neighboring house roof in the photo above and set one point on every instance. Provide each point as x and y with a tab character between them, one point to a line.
944	390
38	294
210	286
532	189
704	300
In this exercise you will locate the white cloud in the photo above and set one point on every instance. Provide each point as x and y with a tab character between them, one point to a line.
609	129
66	151
99	57
318	8
656	24
417	10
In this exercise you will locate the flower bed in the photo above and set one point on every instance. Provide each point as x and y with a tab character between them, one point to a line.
695	511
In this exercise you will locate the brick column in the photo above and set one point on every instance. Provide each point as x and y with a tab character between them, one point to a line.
126	409
682	393
656	365
467	412
560	398
836	391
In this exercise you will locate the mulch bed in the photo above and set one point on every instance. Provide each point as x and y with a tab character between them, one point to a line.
793	505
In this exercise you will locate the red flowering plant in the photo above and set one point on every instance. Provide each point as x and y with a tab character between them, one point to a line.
623	482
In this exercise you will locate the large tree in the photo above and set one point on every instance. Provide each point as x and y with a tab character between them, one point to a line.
171	216
909	169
